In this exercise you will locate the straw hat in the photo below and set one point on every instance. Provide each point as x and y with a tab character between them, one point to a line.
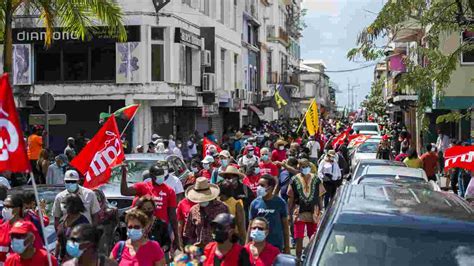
239	135
202	191
280	142
331	153
232	170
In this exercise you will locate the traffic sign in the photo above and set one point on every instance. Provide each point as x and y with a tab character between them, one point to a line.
46	102
53	119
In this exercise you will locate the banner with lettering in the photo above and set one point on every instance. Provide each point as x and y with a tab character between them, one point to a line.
100	155
460	157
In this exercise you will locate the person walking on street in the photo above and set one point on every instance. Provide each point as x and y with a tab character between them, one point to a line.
384	150
266	165
430	162
31	212
24	252
137	249
279	154
88	197
70	150
236	208
225	249
238	143
240	191
442	144
331	174
56	170
250	158
261	252
314	149
412	159
164	196
207	168
197	229
35	145
83	247
304	203
275	210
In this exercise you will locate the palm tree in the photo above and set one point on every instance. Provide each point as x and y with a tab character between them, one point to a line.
81	17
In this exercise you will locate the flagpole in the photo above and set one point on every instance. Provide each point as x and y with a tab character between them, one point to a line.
304	117
40	212
128	123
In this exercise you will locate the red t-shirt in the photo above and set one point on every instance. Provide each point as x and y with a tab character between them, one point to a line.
163	195
268	168
252	182
40	258
205	173
184	207
256	151
147	255
278	156
5	240
266	257
430	161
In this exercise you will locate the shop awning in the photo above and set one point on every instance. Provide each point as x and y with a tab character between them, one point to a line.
257	111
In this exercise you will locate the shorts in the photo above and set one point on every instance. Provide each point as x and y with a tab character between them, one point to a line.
299	227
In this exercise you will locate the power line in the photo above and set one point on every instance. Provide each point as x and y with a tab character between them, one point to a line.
350	70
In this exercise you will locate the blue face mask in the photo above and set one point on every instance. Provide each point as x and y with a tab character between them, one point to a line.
258	235
205	166
306	170
265	157
224	162
134	234
261	191
256	170
159	180
71	187
18	245
73	249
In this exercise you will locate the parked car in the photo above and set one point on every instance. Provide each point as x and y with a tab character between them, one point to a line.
363	163
367	128
366	150
389	225
394	171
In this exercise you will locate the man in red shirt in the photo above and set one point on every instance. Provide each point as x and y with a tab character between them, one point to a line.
24	253
184	207
266	165
252	141
430	162
163	195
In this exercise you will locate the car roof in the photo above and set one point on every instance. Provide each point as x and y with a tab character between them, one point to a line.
393	170
380	162
364	123
145	157
404	207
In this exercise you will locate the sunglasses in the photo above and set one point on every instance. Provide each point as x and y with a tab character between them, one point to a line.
137	227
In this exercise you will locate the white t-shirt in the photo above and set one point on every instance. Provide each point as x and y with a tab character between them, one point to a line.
193	150
173	182
314	148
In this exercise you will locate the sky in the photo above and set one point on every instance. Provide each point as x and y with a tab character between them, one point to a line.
332	29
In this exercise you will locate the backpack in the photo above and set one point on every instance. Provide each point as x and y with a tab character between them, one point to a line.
120	251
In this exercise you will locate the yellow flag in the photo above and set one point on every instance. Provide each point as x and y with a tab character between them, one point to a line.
312	118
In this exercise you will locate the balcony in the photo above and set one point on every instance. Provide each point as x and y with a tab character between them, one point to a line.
283	36
408	31
251	10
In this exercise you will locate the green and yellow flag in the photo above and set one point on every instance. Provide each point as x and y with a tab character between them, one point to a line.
312	118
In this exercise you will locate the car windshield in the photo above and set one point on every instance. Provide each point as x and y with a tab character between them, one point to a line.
376	245
361	128
135	170
368	147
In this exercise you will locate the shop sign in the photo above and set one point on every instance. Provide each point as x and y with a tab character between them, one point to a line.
188	38
210	110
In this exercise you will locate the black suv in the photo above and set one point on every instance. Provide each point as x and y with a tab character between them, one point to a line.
390	225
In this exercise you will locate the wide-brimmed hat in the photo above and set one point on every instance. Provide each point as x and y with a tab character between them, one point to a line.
239	135
202	191
225	153
331	153
280	142
232	170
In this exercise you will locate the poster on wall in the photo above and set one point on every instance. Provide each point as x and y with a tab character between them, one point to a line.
128	62
21	64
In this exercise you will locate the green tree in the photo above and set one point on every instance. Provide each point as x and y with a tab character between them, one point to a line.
374	102
81	17
437	18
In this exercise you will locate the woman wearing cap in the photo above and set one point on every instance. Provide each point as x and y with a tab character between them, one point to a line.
137	249
73	207
331	175
304	203
225	250
236	207
279	154
249	158
197	230
207	167
252	176
261	252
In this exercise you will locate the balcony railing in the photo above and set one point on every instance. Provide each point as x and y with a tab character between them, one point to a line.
283	36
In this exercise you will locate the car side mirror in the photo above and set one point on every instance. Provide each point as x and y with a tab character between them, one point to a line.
285	260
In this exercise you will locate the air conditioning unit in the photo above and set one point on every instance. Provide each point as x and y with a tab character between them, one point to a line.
208	82
206	58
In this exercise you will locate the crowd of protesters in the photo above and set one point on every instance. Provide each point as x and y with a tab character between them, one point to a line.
255	194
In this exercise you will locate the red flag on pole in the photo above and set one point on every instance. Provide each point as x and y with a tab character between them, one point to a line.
339	140
206	143
13	156
100	155
460	157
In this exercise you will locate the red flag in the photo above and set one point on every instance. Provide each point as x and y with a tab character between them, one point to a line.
339	140
357	139
100	155
13	156
460	157
206	143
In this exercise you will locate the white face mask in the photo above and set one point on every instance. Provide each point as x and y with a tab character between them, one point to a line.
7	214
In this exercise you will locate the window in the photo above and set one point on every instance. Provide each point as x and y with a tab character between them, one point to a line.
74	62
186	65
157	62
467	57
207	9
236	71
234	24
157	34
223	68
222	11
189	65
269	67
